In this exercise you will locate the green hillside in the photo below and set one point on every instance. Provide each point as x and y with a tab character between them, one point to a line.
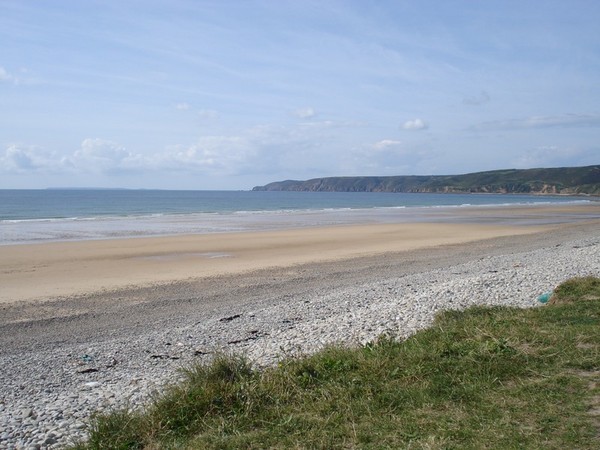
562	180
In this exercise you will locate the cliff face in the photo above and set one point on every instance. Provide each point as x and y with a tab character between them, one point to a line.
565	180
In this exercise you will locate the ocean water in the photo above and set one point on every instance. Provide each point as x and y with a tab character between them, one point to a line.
56	215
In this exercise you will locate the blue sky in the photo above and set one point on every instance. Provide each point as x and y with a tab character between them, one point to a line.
184	94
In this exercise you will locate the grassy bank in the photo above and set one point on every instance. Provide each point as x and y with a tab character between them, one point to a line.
481	378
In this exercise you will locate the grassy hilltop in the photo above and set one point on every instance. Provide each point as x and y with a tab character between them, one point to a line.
563	180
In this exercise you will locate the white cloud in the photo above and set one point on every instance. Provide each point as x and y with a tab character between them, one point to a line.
217	154
416	124
17	159
20	158
304	113
256	150
6	77
100	155
386	143
564	121
101	149
183	106
94	156
305	149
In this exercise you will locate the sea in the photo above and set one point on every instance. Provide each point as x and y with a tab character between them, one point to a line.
29	216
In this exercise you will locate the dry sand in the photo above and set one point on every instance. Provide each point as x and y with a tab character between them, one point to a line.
37	271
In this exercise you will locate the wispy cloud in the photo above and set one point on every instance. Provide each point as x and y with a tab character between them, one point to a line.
304	113
415	124
554	155
208	113
389	157
202	113
218	155
386	143
21	77
477	100
6	77
563	121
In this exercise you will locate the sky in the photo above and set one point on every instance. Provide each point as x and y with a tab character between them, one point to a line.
195	94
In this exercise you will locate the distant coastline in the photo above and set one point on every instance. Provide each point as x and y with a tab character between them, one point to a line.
543	181
90	189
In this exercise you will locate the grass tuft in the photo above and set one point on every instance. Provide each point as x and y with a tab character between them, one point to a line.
577	289
481	378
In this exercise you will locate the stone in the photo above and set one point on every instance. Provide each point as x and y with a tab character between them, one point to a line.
26	412
50	440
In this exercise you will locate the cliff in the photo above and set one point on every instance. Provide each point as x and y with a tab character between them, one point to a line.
563	180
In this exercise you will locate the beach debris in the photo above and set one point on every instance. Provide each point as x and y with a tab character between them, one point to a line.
163	356
239	341
87	370
87	358
84	362
544	297
253	335
230	318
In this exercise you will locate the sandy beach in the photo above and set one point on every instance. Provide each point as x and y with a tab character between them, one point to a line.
59	269
42	271
85	325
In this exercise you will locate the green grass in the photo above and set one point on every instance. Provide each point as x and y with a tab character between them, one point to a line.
497	378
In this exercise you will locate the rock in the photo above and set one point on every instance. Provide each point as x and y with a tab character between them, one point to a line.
26	412
50	440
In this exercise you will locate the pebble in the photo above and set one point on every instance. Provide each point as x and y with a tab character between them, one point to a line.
45	397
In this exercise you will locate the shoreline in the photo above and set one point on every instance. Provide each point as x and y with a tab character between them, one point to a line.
39	231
